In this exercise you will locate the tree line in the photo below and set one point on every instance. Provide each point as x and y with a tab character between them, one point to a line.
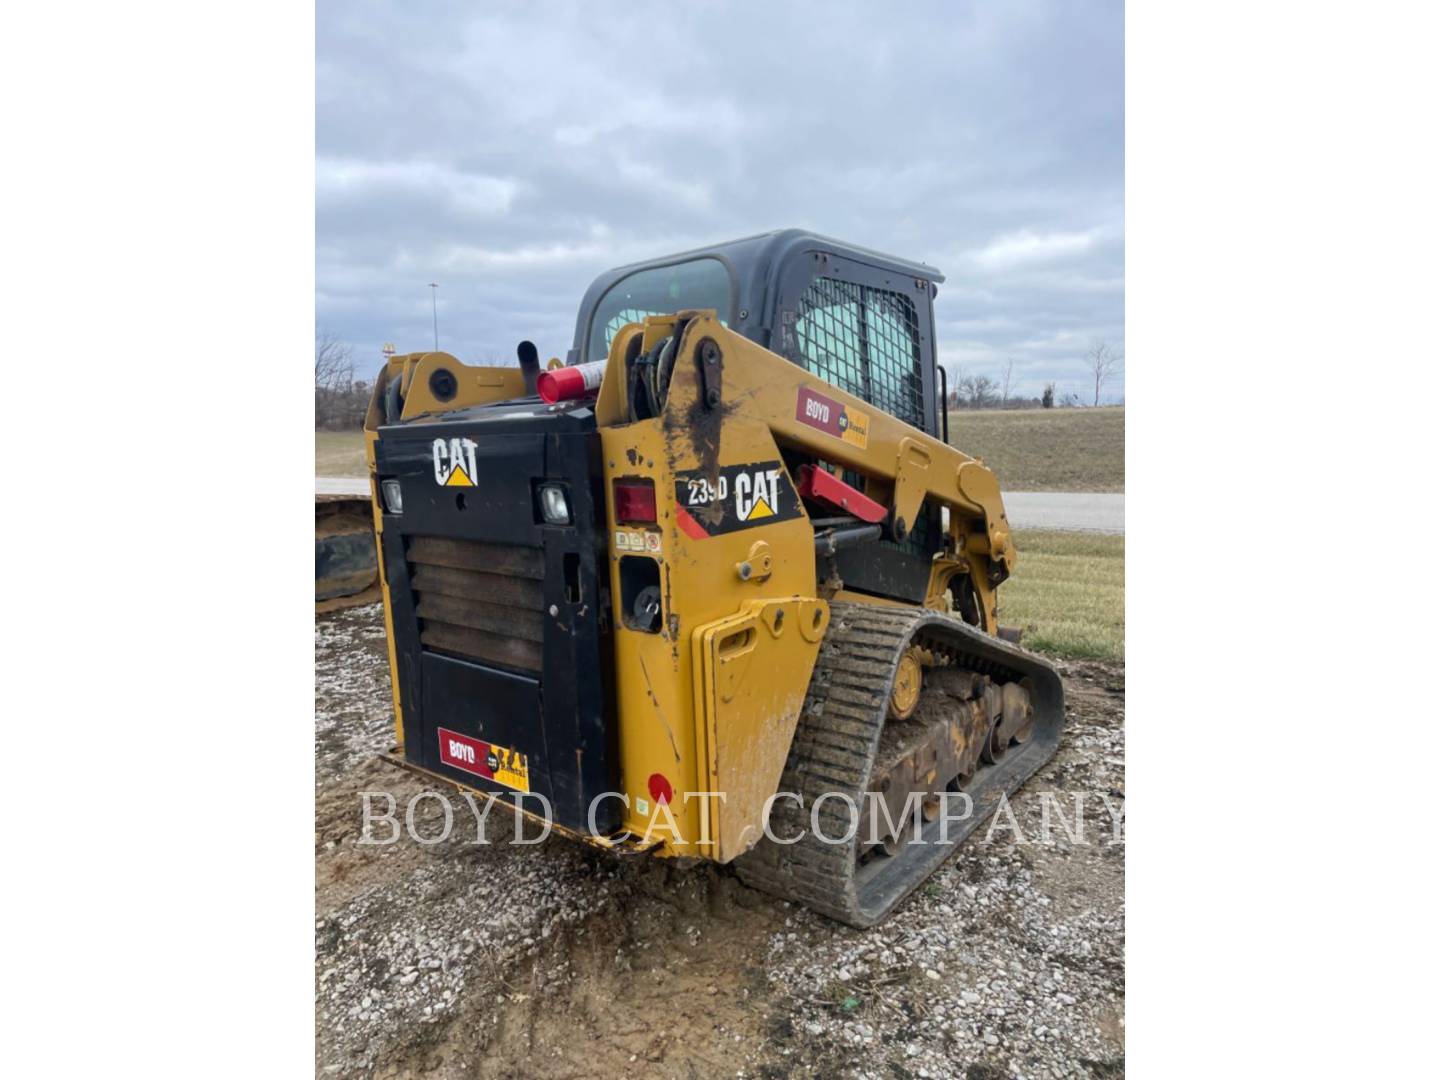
973	390
340	398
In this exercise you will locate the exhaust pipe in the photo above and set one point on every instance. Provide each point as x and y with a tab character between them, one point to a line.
529	364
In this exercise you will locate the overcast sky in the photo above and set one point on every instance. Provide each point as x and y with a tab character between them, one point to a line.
512	152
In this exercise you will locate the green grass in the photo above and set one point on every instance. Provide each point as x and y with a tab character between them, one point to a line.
1068	594
1046	449
340	453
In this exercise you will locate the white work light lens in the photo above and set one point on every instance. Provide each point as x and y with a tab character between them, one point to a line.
390	492
553	505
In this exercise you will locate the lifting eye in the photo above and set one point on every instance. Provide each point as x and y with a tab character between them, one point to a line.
641	606
645	614
735	643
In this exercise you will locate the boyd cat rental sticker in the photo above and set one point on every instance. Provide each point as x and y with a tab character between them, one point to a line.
828	415
497	763
739	497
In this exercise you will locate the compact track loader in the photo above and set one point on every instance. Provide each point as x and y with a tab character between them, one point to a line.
736	600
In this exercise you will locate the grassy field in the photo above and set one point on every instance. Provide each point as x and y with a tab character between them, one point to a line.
1047	449
340	453
1068	594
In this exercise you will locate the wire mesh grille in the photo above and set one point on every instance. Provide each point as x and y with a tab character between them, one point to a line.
866	341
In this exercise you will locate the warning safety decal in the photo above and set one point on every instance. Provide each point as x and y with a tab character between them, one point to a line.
829	416
508	767
739	497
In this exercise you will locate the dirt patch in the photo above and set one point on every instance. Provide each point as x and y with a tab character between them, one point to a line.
463	959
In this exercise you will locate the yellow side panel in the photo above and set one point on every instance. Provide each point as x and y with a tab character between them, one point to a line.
660	731
755	668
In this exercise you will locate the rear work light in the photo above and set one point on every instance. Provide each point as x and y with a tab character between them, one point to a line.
390	492
554	507
635	501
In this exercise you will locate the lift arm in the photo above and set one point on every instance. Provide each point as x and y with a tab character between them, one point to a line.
714	373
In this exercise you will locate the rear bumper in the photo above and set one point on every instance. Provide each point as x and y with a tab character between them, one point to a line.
617	843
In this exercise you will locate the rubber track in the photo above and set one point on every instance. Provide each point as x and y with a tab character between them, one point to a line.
834	749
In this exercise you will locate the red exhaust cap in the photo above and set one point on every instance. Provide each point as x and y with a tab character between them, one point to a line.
570	383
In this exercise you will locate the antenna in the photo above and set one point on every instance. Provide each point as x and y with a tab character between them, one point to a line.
435	314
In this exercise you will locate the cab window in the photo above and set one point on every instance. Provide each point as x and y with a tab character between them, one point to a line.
660	290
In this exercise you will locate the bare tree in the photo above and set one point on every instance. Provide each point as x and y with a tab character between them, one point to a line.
1102	362
952	382
1005	375
340	398
976	391
334	370
982	392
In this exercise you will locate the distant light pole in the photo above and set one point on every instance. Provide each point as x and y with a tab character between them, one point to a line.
435	315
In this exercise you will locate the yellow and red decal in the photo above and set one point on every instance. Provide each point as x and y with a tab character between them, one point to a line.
828	415
486	760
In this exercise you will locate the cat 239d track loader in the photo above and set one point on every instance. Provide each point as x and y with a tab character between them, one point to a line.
742	580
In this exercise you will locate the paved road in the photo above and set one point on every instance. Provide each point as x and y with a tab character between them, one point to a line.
342	485
1084	511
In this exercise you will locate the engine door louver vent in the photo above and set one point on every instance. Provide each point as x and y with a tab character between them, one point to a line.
479	601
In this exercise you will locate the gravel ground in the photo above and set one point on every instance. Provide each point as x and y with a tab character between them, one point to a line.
460	959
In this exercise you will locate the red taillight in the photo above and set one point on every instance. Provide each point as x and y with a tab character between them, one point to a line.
635	502
660	789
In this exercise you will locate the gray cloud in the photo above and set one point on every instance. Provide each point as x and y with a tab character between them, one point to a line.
513	152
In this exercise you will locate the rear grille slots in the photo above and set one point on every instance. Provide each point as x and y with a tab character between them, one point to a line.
485	588
495	618
479	601
506	559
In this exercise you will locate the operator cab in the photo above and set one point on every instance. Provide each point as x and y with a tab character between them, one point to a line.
856	318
